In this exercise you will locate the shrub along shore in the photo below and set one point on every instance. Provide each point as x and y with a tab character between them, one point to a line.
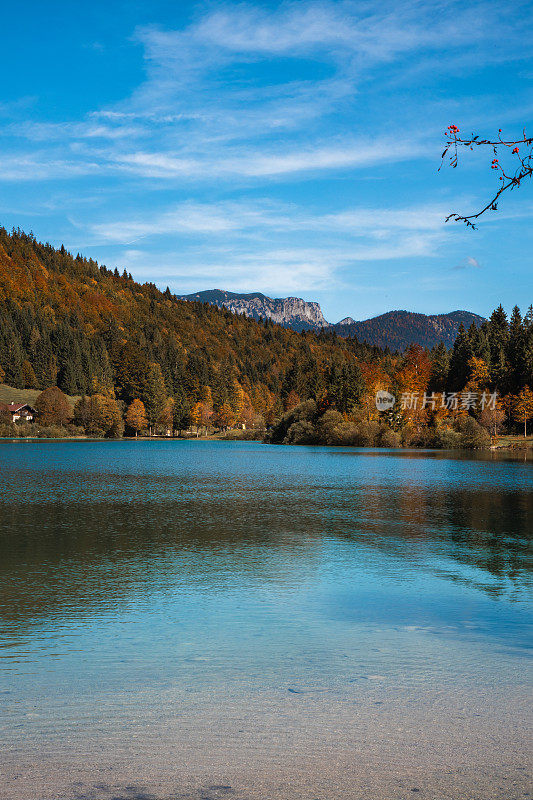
305	424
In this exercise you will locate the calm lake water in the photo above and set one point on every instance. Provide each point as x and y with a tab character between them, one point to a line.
214	619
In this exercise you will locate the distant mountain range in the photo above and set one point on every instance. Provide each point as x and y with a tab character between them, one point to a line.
395	329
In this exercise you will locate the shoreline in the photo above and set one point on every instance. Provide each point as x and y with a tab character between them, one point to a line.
517	448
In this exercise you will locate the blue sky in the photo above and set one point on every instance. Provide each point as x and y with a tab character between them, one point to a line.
290	148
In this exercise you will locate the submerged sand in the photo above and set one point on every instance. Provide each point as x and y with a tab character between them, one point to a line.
305	742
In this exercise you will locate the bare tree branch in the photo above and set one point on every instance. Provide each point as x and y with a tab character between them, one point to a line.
507	178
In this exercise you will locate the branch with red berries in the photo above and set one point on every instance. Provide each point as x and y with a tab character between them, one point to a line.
520	149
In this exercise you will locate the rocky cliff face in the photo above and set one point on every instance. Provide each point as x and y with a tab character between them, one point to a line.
395	329
292	312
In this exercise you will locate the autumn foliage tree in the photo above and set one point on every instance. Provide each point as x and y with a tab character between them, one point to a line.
53	407
100	415
375	378
522	407
136	416
225	417
196	416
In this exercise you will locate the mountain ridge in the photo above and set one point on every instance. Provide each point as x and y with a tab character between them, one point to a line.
292	312
395	329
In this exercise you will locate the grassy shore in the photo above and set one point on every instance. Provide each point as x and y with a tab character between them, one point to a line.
510	442
8	394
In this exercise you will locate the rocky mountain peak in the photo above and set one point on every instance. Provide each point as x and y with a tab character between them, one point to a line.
293	312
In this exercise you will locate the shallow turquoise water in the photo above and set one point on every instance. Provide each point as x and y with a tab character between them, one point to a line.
132	572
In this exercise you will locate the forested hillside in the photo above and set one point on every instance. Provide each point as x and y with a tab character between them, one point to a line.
144	359
399	329
69	322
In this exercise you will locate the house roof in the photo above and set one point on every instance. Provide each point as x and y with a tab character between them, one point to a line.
13	408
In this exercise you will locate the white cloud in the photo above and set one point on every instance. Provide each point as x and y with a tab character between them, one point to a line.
264	246
41	167
283	270
201	112
287	271
71	131
468	263
212	219
257	164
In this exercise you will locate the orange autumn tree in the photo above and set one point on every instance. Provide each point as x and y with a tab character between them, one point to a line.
53	407
375	378
479	375
412	381
196	416
225	417
136	416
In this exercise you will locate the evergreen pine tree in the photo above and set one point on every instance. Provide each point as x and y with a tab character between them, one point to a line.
516	352
440	365
498	338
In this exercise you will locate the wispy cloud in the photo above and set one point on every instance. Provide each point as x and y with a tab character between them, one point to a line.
265	164
201	111
282	270
261	244
41	167
211	219
468	263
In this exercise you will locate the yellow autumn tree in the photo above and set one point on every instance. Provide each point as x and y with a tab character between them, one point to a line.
523	407
375	378
237	400
136	416
224	417
479	374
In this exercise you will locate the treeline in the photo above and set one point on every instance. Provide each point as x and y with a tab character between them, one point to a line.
504	346
142	361
443	398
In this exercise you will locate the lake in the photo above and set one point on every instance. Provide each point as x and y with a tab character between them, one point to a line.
204	620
